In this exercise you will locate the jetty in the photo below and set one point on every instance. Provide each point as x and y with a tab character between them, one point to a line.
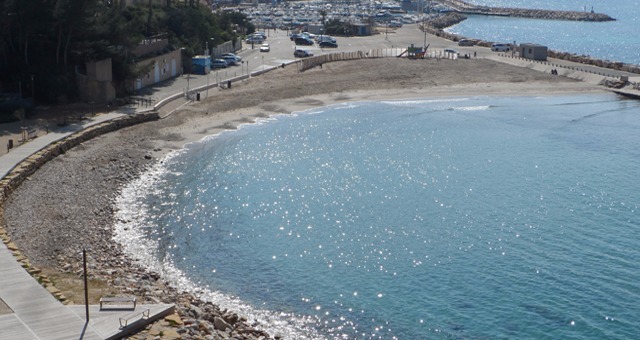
467	8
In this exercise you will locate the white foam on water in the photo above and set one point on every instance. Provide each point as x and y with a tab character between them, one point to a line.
132	231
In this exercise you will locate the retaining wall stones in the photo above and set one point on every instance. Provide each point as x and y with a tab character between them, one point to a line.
35	161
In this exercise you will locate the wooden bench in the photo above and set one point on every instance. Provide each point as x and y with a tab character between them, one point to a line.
125	299
28	134
135	317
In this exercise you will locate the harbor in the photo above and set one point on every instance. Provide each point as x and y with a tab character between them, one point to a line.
293	15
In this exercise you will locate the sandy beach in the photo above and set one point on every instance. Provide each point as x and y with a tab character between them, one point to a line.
70	200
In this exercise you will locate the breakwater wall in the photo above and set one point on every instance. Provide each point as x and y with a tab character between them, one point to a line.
450	19
466	8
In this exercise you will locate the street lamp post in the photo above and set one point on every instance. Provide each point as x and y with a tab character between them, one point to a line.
213	45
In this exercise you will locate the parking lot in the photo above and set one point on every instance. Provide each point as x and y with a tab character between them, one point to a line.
282	48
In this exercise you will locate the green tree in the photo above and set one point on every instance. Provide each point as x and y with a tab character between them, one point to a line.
44	42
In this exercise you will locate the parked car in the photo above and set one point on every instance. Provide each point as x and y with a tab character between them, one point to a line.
238	58
260	33
265	48
255	39
327	43
308	35
303	41
302	53
451	51
219	63
231	60
500	47
328	38
465	42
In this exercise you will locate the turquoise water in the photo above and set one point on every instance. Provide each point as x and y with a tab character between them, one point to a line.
615	40
474	217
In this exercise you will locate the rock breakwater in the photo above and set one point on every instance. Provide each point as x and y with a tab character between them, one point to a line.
466	8
436	26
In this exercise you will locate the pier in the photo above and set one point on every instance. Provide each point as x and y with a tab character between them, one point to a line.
466	8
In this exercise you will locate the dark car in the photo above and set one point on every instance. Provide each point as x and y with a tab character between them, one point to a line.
303	41
219	63
302	53
327	43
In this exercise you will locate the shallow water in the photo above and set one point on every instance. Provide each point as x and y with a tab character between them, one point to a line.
480	217
615	40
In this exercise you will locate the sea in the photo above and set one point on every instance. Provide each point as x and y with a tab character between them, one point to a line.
469	217
613	40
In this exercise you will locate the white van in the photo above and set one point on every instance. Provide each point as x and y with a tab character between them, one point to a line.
500	47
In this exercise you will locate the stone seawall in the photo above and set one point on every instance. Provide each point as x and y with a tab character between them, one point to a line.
466	8
447	20
35	161
453	18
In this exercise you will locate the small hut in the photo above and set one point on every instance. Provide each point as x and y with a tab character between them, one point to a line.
532	51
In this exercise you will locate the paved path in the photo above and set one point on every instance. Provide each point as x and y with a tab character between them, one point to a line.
36	313
9	160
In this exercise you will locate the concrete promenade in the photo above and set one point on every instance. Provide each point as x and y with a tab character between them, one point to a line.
33	313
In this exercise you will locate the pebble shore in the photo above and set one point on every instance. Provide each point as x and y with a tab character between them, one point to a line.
64	215
69	202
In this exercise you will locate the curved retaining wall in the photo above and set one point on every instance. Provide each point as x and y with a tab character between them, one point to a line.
27	167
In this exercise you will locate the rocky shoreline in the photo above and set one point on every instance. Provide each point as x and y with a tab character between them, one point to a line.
70	198
436	27
82	220
467	8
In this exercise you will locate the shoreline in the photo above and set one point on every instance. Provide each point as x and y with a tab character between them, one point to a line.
94	173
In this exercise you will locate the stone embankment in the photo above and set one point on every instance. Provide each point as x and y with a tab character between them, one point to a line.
444	21
436	26
466	8
35	161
